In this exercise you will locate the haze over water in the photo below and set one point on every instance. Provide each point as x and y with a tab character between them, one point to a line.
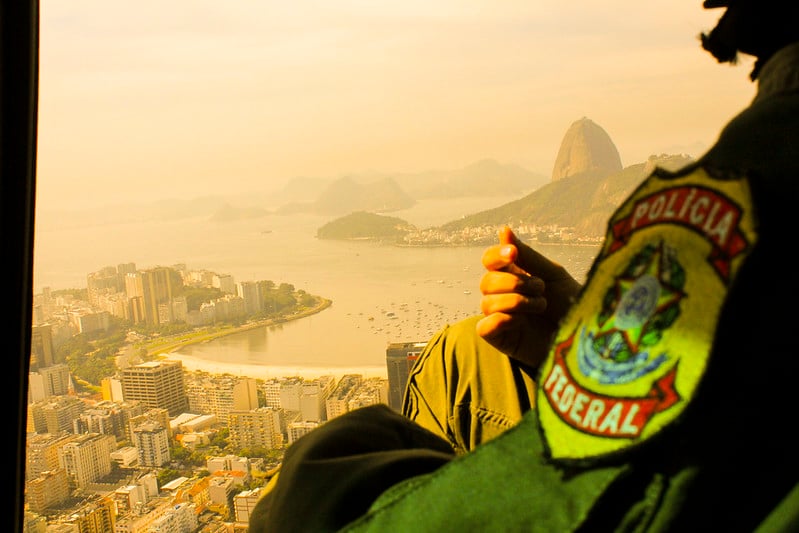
380	293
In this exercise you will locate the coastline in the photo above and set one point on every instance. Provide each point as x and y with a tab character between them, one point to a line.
177	344
195	364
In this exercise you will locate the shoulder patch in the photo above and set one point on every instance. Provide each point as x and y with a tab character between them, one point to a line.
629	356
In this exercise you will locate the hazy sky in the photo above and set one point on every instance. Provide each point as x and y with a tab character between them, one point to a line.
153	99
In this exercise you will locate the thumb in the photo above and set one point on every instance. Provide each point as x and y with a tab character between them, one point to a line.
528	259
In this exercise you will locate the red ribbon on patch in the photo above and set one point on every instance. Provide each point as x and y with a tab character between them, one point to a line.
705	211
599	414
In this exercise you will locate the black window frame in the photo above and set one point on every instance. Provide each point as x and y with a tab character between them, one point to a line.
19	92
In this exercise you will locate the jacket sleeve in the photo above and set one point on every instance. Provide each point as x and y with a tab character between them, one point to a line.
331	475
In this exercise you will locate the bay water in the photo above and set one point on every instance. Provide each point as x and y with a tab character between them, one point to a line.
380	293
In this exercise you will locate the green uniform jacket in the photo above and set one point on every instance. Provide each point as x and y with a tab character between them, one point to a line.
724	462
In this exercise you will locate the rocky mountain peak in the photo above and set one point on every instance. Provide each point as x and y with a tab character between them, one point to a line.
586	147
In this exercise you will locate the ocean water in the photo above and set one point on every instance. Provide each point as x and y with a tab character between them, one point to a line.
380	293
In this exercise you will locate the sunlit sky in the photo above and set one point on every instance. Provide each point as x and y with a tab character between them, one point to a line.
150	99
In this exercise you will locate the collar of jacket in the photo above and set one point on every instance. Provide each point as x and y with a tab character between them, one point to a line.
780	73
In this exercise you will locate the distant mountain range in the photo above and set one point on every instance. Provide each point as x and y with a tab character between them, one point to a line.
346	195
585	187
384	193
583	201
587	184
376	192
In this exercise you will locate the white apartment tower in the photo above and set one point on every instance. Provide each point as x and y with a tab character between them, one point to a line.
225	283
244	504
295	430
250	292
338	402
42	347
157	385
152	441
245	394
48	381
147	290
257	428
228	463
87	459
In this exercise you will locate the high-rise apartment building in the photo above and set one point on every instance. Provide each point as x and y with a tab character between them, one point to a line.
94	517
313	398
270	388
295	430
129	497
46	490
42	349
105	281
42	452
244	504
151	292
55	415
295	394
400	358
250	292
217	395
48	381
210	394
157	385
152	441
338	402
106	289
159	416
370	392
245	394
111	389
180	309
87	458
180	517
157	517
108	418
232	463
87	321
290	393
257	428
225	283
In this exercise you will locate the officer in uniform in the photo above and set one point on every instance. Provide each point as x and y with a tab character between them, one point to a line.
659	396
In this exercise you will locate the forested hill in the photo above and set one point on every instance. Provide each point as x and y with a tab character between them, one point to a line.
584	201
363	225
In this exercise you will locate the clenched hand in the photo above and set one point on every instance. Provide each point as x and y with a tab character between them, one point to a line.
525	296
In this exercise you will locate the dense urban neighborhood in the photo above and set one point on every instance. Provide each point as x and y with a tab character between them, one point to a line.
121	435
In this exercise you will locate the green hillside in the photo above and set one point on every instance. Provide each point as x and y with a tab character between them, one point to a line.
365	226
583	202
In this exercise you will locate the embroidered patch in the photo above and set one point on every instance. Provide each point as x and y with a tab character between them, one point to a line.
632	351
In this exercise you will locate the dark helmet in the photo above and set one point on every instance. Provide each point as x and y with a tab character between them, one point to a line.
753	27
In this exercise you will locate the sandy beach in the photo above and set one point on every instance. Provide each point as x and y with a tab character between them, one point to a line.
170	345
167	351
194	364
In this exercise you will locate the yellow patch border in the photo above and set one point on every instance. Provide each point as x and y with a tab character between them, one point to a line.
702	228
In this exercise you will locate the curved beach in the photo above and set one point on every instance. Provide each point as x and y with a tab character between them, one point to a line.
197	337
195	364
